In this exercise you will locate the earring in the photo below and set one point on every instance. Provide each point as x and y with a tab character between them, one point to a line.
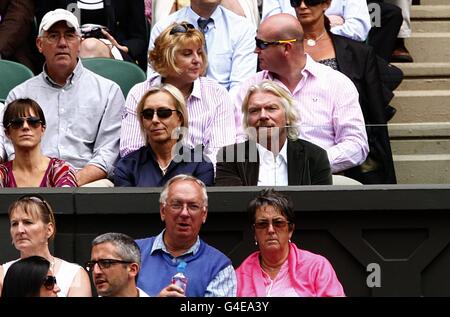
256	242
289	240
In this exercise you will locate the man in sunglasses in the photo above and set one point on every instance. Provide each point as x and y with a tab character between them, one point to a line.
114	265
327	101
349	18
83	110
229	40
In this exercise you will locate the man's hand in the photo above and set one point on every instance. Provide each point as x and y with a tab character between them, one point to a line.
114	42
336	20
172	291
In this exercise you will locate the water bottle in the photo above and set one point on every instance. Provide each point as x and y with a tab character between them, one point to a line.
180	279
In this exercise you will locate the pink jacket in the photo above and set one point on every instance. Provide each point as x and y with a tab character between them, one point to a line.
311	275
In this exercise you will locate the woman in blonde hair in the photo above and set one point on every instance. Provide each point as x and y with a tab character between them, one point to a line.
179	59
32	226
163	118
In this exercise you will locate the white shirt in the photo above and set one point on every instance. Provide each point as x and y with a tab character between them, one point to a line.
273	169
230	41
354	12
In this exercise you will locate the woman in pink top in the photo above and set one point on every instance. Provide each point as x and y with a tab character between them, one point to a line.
24	123
280	269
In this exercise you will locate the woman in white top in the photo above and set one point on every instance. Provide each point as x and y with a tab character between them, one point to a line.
32	225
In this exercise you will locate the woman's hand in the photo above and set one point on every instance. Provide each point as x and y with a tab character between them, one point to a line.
114	42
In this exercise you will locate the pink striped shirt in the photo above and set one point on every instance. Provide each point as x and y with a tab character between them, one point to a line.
330	114
210	111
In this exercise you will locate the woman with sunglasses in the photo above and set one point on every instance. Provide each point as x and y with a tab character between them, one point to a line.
24	124
358	62
30	277
163	118
179	59
32	226
279	268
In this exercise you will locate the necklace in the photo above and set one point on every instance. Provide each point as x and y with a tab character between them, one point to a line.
164	168
313	42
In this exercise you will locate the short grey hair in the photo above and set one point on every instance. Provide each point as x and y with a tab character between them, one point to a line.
127	248
183	177
287	102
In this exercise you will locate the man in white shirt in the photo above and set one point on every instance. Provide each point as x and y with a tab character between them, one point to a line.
229	40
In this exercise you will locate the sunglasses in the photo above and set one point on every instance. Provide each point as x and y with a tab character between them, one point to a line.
265	44
37	199
277	224
162	113
49	282
17	123
181	28
308	3
103	264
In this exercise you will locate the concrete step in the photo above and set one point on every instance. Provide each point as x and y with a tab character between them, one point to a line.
430	26
429	47
433	2
425	84
422	169
420	146
416	69
419	130
431	11
415	106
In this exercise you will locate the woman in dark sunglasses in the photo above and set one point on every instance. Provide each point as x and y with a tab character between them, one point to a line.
24	124
30	277
32	228
358	62
279	268
163	118
179	59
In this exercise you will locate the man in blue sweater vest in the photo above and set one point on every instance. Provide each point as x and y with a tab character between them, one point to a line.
183	208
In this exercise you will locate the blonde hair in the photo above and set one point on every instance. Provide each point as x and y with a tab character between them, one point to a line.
286	100
177	97
162	57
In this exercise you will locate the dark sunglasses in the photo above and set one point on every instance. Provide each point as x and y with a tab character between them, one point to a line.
50	282
265	44
17	123
308	3
162	113
103	263
277	223
181	28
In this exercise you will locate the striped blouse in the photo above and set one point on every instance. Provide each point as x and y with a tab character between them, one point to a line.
210	112
59	173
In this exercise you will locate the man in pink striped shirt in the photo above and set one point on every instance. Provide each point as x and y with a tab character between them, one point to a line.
327	101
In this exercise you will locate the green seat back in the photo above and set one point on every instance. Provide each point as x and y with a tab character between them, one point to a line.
11	75
125	74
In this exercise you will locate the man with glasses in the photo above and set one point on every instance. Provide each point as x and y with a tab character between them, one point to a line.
183	207
114	265
229	40
83	110
326	100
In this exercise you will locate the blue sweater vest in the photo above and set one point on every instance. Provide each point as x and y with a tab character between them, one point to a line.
158	268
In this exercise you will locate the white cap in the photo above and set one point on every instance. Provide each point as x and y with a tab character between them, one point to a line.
57	15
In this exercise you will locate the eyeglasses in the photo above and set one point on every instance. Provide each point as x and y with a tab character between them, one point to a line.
49	282
177	207
103	263
308	3
277	224
162	113
181	28
265	44
56	37
40	200
17	123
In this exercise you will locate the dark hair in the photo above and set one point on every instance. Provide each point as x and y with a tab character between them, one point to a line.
25	277
21	108
327	23
270	197
35	205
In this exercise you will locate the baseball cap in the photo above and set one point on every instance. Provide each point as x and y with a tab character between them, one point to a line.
57	15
